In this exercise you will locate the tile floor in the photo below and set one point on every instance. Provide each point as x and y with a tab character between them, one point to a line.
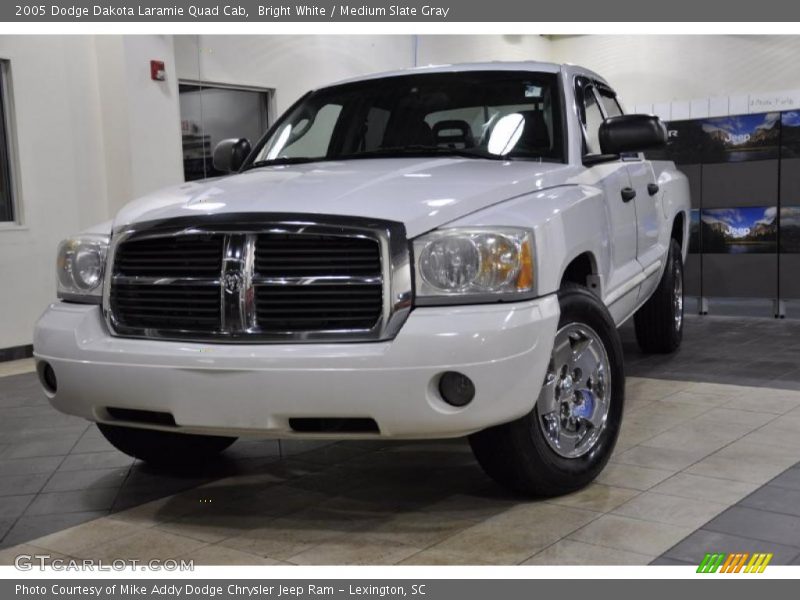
767	520
57	471
735	350
689	473
17	367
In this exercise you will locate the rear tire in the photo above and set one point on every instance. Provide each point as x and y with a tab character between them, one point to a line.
165	448
659	322
539	454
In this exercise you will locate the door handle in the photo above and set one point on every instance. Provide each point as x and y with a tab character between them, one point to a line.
627	194
652	189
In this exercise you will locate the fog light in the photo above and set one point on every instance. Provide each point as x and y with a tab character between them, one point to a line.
47	377
456	389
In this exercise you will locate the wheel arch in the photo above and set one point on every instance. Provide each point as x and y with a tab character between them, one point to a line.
580	270
679	231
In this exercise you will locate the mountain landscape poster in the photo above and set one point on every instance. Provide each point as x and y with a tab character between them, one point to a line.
790	229
694	232
749	230
742	137
790	134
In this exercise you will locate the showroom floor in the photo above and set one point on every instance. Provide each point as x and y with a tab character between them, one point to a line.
704	463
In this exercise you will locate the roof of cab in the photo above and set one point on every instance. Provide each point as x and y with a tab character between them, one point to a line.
541	67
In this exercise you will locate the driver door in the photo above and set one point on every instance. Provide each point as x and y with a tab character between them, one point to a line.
649	251
621	288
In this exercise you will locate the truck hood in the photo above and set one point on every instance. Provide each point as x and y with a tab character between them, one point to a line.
422	193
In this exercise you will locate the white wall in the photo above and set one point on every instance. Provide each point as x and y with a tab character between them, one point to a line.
644	69
140	117
447	49
662	68
61	178
92	132
291	65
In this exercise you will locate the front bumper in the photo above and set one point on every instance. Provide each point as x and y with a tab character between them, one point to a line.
243	389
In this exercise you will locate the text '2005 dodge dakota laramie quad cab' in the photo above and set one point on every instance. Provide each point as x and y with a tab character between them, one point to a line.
433	253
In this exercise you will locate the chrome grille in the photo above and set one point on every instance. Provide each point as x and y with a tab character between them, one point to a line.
277	281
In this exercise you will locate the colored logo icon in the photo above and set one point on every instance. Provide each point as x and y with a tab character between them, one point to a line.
737	562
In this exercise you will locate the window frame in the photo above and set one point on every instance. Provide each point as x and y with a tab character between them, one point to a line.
588	87
8	131
582	85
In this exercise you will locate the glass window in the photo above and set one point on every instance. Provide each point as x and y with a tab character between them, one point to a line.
424	114
593	118
211	114
309	135
610	104
7	212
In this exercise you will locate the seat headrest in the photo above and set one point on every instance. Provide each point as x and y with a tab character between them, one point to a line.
535	135
452	132
414	132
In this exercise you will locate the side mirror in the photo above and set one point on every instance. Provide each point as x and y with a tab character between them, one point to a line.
631	133
230	154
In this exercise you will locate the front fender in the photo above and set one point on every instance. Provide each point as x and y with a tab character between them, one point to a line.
567	221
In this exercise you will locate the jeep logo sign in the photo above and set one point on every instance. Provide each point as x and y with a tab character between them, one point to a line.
738	231
741	138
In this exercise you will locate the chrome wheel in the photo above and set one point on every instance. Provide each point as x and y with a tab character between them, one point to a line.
573	404
677	298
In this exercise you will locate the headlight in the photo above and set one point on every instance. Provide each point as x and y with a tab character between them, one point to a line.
80	267
474	264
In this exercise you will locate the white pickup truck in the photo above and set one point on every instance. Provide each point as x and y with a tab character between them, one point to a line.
432	253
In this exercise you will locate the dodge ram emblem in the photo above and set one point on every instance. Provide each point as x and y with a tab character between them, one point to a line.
232	282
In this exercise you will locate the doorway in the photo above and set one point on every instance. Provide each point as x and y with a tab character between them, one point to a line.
211	113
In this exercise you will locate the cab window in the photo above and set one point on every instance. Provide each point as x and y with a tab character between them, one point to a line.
610	105
592	119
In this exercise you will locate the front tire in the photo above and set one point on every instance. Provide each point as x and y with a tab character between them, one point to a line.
659	322
567	439
165	448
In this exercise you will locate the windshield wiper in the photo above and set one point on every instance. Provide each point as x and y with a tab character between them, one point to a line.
420	150
285	160
387	152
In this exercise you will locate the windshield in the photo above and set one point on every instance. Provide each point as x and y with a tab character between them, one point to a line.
498	115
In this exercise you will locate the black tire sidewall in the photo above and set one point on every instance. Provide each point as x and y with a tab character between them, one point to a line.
165	448
655	320
666	288
676	267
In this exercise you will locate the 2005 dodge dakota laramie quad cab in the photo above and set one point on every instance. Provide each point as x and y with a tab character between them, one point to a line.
433	253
